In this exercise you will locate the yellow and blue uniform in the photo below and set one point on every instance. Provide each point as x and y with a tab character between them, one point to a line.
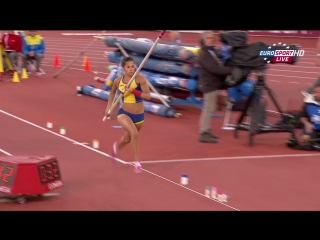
129	97
35	44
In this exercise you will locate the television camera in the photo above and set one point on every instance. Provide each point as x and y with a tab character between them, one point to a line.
245	58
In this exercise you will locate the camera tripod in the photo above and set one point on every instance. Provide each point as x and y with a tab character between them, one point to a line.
253	102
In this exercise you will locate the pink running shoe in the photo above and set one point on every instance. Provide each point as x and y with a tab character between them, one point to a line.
137	167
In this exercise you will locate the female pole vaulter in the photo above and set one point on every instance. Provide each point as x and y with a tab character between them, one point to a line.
131	114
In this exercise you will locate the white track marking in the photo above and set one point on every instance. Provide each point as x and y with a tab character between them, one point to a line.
84	143
168	180
5	152
229	158
96	34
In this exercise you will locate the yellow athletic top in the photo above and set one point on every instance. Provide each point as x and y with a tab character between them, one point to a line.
129	97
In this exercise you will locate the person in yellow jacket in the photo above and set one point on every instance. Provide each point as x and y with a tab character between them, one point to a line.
33	48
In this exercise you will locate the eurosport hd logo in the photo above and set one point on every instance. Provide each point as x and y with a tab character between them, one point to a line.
274	55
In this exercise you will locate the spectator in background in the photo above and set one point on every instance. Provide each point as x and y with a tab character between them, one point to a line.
12	45
211	76
174	37
33	48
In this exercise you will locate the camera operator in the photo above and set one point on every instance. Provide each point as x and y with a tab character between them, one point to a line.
211	74
310	116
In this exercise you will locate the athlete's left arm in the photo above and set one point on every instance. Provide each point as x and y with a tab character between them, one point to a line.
145	88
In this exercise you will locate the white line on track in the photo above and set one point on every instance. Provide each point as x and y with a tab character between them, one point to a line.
190	189
231	158
67	53
5	152
84	143
97	34
79	69
286	76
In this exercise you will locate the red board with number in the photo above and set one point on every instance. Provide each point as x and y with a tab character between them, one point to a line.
28	175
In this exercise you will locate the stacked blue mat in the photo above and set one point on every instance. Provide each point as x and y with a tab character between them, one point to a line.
169	65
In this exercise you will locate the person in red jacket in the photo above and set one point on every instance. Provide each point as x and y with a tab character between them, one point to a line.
12	45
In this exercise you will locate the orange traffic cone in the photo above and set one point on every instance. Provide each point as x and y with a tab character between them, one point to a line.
87	67
85	60
56	62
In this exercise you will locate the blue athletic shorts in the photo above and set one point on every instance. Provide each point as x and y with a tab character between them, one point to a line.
136	118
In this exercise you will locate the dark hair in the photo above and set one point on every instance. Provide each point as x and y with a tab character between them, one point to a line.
124	60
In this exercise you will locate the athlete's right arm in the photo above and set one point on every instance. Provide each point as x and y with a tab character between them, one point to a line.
112	94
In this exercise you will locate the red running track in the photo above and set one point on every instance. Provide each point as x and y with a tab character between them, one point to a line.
91	182
282	182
